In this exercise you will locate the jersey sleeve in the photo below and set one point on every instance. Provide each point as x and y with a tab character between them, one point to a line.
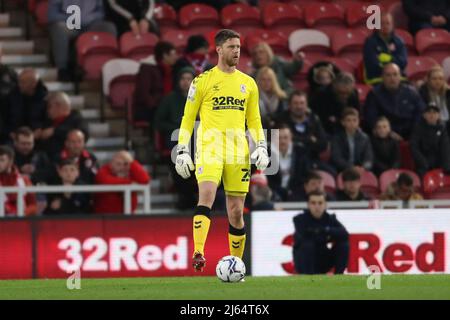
253	116
193	102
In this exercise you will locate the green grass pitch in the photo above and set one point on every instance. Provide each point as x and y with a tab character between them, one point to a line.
254	288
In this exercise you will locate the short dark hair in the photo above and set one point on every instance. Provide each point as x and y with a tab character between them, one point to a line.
405	179
351	174
24	131
317	193
349	112
7	151
223	35
162	48
312	175
295	93
67	161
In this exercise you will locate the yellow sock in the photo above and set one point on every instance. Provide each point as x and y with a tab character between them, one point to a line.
201	223
236	239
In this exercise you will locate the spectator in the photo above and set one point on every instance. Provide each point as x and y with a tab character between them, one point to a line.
436	90
31	163
427	14
320	76
330	103
60	120
68	202
313	182
383	47
351	147
315	229
8	82
75	148
291	165
195	56
260	193
400	103
154	80
401	189
218	4
351	179
123	169
263	56
27	102
10	177
272	98
430	146
133	15
92	19
386	149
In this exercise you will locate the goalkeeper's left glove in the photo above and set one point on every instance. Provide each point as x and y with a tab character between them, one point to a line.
261	156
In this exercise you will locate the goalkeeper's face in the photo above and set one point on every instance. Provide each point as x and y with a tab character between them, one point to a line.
229	52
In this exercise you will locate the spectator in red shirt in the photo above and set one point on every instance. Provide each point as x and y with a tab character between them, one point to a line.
123	169
10	177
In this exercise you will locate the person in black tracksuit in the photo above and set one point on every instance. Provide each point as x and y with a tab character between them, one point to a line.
314	230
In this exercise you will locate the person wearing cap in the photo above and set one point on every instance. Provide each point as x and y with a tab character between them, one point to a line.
430	146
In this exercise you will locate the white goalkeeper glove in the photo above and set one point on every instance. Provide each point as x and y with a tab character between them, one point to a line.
261	156
183	163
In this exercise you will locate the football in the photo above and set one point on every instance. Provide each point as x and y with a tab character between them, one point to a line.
230	269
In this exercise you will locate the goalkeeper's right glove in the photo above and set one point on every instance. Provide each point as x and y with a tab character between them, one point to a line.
183	163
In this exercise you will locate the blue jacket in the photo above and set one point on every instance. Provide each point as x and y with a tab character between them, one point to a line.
373	47
91	10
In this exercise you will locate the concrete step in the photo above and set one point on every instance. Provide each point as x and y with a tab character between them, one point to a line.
98	130
111	142
105	156
46	74
4	20
78	102
53	86
90	114
9	33
24	60
17	47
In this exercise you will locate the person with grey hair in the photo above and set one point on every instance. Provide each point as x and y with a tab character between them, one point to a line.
330	103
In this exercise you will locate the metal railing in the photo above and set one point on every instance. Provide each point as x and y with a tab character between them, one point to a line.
392	204
126	189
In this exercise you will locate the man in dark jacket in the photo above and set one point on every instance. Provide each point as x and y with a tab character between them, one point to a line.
314	230
351	180
429	142
427	14
382	47
400	103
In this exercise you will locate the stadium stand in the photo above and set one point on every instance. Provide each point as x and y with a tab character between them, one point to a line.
137	47
242	18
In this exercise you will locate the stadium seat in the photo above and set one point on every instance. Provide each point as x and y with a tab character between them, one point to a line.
177	37
434	43
363	91
369	184
94	49
348	43
408	39
282	17
300	79
406	159
41	13
418	67
356	14
277	42
389	176
399	16
198	18
166	17
242	18
245	63
314	43
137	47
436	185
342	64
327	17
119	77
328	181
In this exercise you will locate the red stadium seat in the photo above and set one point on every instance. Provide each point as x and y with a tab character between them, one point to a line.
356	14
328	181
166	17
389	176
94	49
282	17
324	16
418	67
434	43
198	18
436	185
41	13
406	159
348	43
399	16
245	63
277	42
342	64
177	37
314	43
369	184
408	39
241	18
137	47
363	91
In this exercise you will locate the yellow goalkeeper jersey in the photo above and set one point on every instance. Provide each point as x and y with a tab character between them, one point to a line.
227	103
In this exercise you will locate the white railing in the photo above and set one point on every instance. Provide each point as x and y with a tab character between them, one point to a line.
126	189
395	204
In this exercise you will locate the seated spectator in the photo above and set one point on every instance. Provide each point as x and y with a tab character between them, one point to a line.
154	80
260	193
351	180
92	19
263	56
218	4
8	82
386	149
430	146
60	120
122	169
132	15
427	14
31	163
313	182
401	189
383	47
315	229
436	90
320	76
272	99
399	102
351	146
195	56
329	103
75	148
10	177
27	102
68	202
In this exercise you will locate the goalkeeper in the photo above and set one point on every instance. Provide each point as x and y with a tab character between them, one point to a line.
226	101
